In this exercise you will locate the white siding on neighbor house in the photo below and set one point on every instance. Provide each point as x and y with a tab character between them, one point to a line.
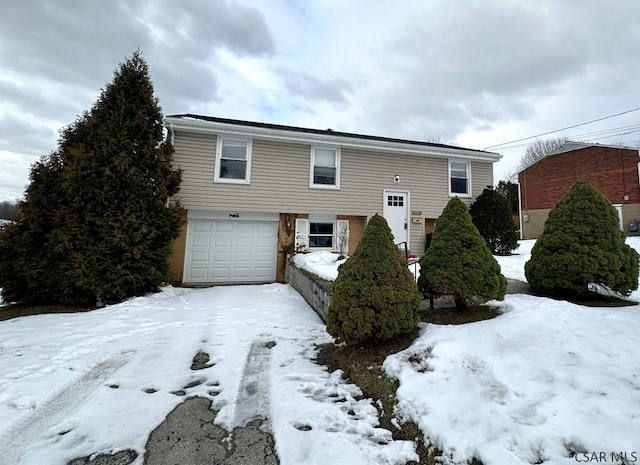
280	181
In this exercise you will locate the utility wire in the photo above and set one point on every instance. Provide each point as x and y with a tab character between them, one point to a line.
587	136
563	129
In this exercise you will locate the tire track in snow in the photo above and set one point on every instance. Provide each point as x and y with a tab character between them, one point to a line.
35	425
253	399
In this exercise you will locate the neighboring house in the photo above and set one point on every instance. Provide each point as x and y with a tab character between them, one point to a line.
254	192
611	169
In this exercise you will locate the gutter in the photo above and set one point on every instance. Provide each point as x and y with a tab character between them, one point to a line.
209	127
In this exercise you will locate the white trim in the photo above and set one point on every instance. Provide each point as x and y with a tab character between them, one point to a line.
327	220
341	226
312	158
469	188
520	209
301	235
202	126
619	207
247	174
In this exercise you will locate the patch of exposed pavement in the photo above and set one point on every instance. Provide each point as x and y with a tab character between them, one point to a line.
189	435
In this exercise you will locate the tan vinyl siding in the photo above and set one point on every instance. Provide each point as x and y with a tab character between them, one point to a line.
280	181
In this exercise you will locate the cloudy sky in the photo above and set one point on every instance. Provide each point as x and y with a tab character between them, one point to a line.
474	73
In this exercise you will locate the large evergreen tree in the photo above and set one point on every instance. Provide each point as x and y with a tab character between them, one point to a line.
104	193
509	190
459	263
375	295
491	214
582	244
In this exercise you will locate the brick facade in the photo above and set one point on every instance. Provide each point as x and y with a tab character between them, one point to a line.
612	170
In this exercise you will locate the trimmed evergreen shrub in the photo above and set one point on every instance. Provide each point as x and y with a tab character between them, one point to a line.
459	263
582	244
491	214
375	295
95	224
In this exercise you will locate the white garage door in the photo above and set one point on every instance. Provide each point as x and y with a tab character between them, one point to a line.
230	251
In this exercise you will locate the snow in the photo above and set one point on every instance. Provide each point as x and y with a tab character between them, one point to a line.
541	380
75	384
544	379
321	263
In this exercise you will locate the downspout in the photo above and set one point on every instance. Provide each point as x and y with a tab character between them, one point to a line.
172	134
520	207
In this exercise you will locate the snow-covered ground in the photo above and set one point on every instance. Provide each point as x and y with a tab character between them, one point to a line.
75	384
541	380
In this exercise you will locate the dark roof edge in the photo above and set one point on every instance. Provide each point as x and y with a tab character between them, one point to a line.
328	132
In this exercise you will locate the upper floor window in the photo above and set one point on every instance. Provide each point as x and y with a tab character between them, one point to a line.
233	160
325	168
459	178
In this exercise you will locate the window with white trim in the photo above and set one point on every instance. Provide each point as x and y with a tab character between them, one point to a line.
233	160
312	234
459	179
320	235
325	168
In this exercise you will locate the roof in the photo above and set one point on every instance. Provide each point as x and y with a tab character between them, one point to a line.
570	146
327	134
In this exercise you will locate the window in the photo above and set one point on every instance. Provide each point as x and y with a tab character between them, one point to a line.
320	235
459	178
233	161
325	168
395	200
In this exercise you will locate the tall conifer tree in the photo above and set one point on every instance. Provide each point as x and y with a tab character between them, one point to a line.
491	214
111	226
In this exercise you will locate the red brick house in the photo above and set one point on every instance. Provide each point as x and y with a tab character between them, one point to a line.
611	169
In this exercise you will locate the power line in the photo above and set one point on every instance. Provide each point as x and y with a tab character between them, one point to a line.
563	129
588	136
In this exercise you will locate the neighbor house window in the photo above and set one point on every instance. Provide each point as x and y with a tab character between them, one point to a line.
459	178
325	168
233	160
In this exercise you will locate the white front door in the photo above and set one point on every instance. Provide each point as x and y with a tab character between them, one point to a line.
396	206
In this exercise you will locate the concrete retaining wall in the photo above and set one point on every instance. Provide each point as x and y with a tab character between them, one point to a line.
316	292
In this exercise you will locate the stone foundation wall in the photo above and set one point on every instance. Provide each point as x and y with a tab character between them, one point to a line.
315	291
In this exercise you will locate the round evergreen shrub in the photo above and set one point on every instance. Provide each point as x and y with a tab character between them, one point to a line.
582	244
459	262
492	215
375	295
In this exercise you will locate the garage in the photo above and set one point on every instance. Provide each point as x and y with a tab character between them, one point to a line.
234	250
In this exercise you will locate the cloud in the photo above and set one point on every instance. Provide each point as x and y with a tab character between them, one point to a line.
473	72
312	89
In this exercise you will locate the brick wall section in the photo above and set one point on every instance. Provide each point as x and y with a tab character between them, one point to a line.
286	237
356	229
178	248
614	171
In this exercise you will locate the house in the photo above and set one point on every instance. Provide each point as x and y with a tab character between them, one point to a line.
254	192
611	169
